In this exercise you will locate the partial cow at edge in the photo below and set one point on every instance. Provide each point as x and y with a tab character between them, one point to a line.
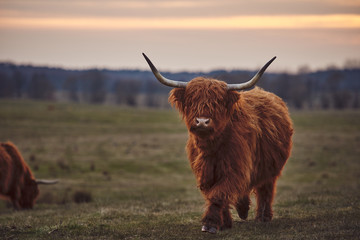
238	142
17	182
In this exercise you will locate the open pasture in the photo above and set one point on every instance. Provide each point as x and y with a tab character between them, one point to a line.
124	175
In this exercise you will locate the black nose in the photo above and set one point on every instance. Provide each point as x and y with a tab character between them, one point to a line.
202	122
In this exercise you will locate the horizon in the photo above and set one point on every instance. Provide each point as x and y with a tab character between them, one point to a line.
348	65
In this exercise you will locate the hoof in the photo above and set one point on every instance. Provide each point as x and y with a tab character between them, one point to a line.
224	227
243	215
263	219
212	230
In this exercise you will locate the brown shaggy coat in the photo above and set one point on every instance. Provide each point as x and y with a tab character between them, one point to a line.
243	148
16	180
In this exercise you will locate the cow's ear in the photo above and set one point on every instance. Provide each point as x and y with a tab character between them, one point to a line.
233	97
177	97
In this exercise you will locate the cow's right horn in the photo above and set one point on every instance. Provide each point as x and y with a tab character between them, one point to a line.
163	80
251	82
42	181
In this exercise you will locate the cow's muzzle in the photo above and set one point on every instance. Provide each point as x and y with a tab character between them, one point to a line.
202	122
202	127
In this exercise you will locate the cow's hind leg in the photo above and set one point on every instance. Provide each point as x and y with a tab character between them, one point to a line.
243	206
264	198
16	204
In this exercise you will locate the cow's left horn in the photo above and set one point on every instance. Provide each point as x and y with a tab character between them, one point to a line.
252	81
163	80
42	181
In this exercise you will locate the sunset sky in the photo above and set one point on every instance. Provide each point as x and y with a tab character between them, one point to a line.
180	35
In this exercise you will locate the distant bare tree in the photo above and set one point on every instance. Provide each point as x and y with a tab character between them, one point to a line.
71	86
126	91
338	97
341	99
19	82
352	64
298	92
325	101
40	87
151	99
304	69
7	88
94	86
356	101
281	86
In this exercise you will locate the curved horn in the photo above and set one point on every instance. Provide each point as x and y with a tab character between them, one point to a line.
163	80
42	181
252	81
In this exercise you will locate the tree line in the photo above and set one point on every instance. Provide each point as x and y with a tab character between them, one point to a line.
328	89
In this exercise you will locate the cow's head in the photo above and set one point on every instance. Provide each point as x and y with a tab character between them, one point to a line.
29	193
205	104
30	190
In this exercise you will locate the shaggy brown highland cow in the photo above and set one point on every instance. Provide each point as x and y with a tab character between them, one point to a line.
238	143
17	183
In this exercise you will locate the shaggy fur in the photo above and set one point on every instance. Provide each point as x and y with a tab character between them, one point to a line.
17	183
243	148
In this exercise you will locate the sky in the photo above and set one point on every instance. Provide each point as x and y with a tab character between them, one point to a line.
179	35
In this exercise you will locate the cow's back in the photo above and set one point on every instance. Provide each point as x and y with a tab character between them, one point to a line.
12	167
275	129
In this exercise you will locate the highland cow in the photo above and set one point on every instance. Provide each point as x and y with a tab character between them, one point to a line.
238	142
17	183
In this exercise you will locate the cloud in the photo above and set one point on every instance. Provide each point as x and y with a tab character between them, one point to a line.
173	8
214	33
232	22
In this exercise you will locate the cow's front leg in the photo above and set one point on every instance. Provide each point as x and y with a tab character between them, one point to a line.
243	206
206	178
227	220
213	217
16	204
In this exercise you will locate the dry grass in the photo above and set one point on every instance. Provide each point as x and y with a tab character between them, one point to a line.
133	165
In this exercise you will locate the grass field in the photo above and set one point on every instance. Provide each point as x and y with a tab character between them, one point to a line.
129	168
